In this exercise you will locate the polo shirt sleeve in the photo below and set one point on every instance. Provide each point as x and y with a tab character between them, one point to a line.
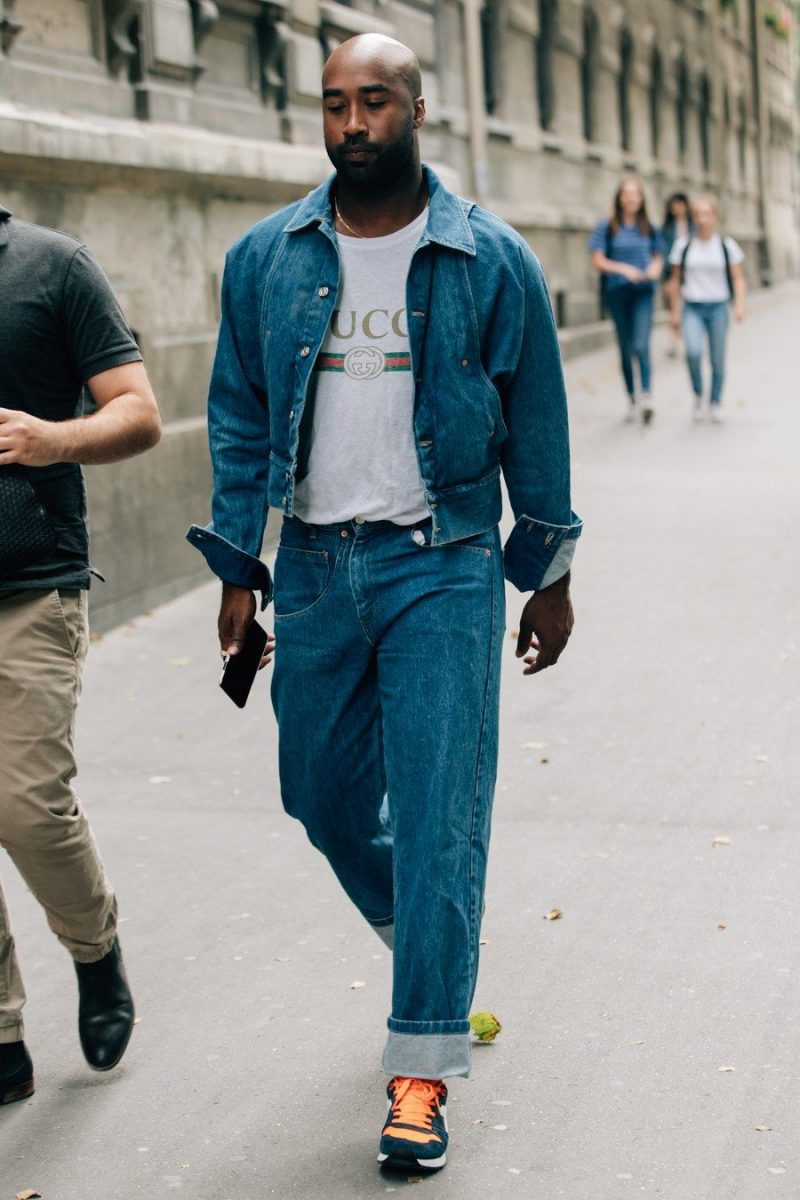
98	335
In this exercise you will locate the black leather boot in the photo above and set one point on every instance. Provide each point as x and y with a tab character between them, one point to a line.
105	1012
16	1072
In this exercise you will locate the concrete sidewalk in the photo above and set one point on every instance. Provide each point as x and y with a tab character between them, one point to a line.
648	1034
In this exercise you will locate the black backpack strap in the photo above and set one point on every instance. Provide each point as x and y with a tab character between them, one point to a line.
728	274
684	257
609	239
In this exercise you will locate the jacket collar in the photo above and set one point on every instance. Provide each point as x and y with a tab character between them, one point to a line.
447	214
4	215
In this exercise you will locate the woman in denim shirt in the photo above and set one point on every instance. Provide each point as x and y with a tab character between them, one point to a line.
628	252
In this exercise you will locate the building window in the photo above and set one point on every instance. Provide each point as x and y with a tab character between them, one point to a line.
548	15
681	99
591	37
624	86
704	121
656	92
492	74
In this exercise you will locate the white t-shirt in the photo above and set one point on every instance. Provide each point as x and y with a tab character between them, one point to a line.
704	279
362	458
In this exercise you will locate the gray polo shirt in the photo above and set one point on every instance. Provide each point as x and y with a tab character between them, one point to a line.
61	325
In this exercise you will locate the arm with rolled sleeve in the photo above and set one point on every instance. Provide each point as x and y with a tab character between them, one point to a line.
535	456
238	433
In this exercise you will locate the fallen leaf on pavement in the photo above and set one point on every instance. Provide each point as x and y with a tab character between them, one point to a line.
479	1121
28	1194
533	745
280	959
160	779
485	1026
763	1128
179	662
720	926
555	914
721	841
761	758
357	983
727	1068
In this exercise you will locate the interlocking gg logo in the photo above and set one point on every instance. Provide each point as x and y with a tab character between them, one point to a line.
364	362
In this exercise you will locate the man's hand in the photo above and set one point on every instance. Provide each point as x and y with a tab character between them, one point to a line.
545	626
236	611
738	312
28	440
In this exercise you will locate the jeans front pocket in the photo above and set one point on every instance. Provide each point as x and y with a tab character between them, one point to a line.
300	581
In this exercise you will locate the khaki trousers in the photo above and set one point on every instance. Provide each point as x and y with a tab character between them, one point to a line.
43	643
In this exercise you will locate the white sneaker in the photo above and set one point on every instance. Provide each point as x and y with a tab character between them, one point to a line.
648	412
698	412
716	415
632	412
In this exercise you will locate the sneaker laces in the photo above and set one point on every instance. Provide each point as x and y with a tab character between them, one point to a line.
414	1101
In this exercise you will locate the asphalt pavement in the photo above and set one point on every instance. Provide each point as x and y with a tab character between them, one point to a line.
647	788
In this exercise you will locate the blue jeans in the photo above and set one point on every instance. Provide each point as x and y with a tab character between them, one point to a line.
699	321
386	690
631	308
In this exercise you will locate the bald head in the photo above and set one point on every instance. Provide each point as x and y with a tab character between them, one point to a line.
389	59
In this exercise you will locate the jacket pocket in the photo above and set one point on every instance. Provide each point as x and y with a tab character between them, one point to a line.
301	579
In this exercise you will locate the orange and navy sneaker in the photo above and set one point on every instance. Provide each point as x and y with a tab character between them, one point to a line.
415	1134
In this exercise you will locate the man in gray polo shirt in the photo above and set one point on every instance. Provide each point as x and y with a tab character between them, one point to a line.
62	328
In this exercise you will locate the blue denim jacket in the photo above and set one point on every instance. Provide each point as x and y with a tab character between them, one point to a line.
489	388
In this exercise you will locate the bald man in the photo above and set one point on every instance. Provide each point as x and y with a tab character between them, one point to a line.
386	350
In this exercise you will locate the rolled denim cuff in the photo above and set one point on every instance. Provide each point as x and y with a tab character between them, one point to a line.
538	553
427	1055
231	564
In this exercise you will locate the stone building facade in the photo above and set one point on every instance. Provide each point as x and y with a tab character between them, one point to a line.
158	130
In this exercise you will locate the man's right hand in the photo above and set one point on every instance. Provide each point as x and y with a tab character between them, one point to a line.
236	611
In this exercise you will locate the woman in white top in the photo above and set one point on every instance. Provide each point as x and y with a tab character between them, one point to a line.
707	274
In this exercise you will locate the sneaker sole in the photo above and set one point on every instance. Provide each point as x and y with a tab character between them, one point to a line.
647	416
19	1093
397	1162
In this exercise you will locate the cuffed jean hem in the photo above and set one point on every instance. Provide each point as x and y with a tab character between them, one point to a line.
11	1033
385	932
427	1055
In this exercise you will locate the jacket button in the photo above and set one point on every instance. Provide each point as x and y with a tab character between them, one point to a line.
465	362
304	353
323	291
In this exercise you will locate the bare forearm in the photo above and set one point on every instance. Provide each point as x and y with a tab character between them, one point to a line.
127	425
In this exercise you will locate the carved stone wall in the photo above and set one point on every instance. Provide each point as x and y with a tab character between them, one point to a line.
159	130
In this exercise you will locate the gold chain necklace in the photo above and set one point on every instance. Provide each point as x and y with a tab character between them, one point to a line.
349	228
342	221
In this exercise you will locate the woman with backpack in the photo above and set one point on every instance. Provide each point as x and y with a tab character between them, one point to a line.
628	252
707	275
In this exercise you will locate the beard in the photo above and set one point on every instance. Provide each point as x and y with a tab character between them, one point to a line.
382	164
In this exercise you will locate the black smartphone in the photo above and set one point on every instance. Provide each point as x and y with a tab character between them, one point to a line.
240	669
